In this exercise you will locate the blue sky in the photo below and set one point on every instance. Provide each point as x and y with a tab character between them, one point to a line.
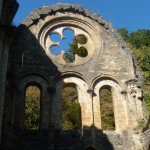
131	14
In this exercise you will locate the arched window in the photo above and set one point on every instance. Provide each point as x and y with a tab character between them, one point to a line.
106	107
32	108
71	115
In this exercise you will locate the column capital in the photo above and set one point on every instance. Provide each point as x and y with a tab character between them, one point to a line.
90	91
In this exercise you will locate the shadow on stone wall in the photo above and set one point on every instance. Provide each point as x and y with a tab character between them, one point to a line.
95	138
89	138
27	57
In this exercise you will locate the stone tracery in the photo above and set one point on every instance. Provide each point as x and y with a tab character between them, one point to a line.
69	44
80	29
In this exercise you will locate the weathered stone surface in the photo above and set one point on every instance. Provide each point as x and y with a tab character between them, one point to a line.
6	18
109	63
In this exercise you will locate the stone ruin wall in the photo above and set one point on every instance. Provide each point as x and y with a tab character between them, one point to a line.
109	62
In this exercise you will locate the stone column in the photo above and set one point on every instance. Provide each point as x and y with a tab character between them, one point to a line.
51	91
124	94
2	39
45	109
93	134
91	91
4	51
57	110
132	104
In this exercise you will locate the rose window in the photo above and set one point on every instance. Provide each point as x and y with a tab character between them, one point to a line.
69	44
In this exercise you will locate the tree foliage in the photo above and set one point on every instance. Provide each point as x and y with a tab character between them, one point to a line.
139	41
75	49
147	97
125	33
32	108
107	110
140	38
70	109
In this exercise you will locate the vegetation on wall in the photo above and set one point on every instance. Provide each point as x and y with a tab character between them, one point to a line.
139	42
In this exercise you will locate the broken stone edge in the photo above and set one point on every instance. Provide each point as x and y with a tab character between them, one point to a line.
41	13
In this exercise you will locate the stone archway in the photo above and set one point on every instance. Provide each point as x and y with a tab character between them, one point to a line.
83	98
32	115
119	103
19	103
107	56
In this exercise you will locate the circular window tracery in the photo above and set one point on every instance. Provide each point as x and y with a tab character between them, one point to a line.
65	44
74	48
71	45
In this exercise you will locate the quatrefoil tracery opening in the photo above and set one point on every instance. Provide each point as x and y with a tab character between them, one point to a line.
65	41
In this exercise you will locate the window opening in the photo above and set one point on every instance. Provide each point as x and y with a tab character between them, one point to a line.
32	108
71	113
70	45
55	37
107	110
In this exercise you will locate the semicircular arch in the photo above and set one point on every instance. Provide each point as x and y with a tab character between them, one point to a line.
32	76
119	103
19	100
104	77
83	99
69	74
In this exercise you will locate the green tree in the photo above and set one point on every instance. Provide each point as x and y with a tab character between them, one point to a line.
139	42
143	56
71	109
140	38
107	109
74	49
147	98
32	108
125	33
